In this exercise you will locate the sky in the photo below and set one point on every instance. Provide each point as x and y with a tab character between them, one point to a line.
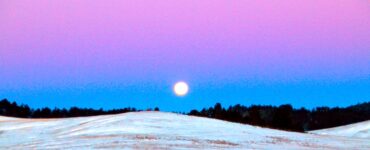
114	54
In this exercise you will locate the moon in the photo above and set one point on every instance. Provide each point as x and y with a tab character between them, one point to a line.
181	88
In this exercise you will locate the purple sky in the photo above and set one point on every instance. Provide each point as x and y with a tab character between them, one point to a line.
135	50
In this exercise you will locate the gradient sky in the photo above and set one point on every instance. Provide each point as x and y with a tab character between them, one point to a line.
118	53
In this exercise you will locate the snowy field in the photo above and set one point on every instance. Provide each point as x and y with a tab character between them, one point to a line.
158	130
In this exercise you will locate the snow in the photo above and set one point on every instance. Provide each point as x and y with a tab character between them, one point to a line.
358	130
158	130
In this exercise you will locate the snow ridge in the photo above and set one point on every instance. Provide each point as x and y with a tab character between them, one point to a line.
157	130
358	130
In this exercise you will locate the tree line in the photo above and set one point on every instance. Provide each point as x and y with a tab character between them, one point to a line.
283	117
12	109
286	117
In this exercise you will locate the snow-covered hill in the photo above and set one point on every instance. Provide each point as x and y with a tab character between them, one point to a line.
360	130
157	130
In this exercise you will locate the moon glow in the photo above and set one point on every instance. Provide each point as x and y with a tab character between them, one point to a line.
181	88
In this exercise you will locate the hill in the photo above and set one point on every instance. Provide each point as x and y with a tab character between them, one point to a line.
157	130
359	130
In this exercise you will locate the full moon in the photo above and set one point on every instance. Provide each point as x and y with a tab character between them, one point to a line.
181	88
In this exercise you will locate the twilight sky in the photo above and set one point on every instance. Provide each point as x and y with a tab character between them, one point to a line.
118	53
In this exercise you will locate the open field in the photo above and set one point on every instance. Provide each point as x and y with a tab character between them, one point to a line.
158	130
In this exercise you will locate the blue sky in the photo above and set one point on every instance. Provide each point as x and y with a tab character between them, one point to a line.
130	53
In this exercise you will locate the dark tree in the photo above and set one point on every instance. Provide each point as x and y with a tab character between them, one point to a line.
156	109
282	117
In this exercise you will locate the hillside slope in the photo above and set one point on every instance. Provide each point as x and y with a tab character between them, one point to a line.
157	130
359	130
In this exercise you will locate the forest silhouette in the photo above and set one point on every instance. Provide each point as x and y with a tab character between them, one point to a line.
283	117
